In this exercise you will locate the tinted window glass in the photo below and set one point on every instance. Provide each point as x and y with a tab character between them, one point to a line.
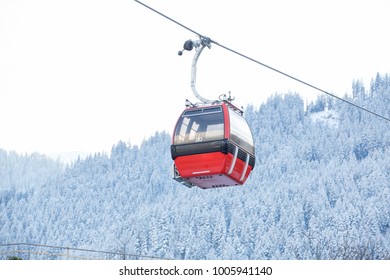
240	132
200	125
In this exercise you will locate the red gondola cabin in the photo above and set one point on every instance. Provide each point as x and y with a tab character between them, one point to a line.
212	146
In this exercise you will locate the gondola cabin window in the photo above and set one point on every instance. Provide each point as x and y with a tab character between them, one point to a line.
240	132
200	125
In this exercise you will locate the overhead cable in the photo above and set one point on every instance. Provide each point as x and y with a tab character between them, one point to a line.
265	65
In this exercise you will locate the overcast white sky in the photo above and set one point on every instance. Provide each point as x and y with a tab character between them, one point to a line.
80	75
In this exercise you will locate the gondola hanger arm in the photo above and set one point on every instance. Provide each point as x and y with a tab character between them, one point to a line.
199	45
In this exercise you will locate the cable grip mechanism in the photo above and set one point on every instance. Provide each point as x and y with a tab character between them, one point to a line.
189	45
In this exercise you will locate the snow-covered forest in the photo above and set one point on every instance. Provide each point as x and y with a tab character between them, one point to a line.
320	190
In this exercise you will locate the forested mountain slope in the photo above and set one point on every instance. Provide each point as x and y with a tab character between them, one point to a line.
320	190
